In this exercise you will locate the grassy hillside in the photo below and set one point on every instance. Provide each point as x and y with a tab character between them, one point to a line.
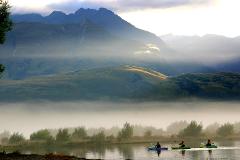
122	83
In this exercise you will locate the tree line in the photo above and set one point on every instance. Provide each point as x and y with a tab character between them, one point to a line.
126	133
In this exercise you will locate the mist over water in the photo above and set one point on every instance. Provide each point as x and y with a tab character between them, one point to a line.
29	117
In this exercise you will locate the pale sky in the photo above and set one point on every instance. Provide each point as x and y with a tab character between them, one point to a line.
180	17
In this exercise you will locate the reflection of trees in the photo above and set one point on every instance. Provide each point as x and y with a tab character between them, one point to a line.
126	151
98	149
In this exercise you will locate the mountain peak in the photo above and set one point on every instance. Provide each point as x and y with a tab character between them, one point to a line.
83	11
57	13
105	10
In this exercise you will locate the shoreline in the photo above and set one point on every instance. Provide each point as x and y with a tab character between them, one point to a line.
19	156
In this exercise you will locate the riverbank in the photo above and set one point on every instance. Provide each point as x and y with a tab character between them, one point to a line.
18	156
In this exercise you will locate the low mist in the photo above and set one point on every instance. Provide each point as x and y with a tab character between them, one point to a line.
29	117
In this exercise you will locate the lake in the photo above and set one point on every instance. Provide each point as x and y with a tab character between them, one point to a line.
226	151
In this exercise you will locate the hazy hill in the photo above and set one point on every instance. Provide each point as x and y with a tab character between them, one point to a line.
122	83
209	48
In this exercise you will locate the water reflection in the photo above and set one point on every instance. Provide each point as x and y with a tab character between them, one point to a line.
138	151
126	151
183	153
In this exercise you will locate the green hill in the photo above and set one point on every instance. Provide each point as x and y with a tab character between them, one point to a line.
121	83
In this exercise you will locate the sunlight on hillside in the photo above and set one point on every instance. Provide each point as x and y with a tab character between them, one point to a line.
147	72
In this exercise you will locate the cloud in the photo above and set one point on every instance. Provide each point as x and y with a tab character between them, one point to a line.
125	5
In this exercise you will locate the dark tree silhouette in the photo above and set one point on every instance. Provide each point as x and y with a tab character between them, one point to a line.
192	130
5	24
2	68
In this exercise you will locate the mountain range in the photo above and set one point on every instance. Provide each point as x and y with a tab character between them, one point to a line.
209	48
87	39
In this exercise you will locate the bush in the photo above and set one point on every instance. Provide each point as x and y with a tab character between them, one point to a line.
16	138
62	135
126	132
225	130
79	133
193	129
42	135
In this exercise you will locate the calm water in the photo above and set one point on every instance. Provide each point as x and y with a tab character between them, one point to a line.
226	151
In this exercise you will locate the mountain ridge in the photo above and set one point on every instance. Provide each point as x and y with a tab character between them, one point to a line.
122	84
103	17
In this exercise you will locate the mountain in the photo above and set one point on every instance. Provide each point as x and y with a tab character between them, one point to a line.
209	48
102	17
87	39
59	42
127	83
69	40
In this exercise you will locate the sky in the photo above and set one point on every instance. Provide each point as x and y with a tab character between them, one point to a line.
179	17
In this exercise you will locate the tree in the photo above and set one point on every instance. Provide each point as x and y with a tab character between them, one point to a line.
79	133
99	138
193	129
16	138
62	135
5	22
225	130
2	68
42	135
126	132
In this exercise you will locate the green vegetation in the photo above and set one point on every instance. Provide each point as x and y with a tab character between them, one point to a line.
225	130
126	132
99	138
16	138
63	135
79	134
42	135
192	130
122	83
